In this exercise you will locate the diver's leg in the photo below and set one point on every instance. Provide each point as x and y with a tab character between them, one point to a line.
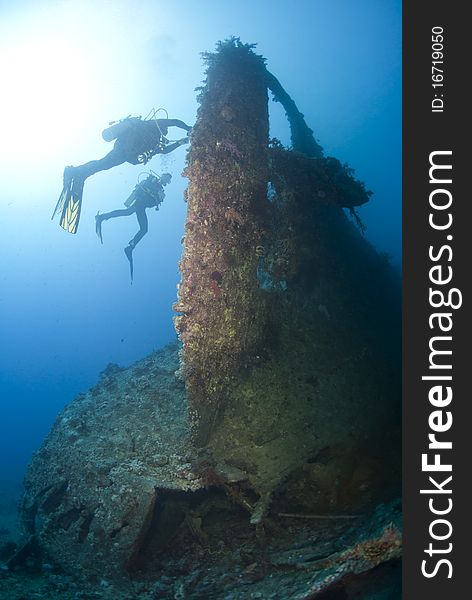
79	174
74	177
143	229
143	226
114	158
121	212
99	218
70	200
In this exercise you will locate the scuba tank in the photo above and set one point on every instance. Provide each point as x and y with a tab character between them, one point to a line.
150	189
117	128
131	199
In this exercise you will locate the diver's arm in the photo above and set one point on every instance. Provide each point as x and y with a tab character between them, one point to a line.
145	156
174	123
171	147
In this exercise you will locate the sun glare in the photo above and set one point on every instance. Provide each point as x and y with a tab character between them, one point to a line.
47	93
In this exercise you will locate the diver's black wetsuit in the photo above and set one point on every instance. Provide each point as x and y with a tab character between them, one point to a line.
147	194
140	209
141	215
136	144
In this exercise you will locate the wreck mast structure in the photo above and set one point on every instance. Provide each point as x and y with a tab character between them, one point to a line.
289	318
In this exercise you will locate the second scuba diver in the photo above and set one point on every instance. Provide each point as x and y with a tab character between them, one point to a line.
146	194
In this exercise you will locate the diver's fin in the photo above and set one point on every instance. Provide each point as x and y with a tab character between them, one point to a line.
67	180
71	212
129	256
98	226
62	198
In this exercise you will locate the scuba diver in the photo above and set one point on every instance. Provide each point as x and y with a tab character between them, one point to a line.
137	141
146	194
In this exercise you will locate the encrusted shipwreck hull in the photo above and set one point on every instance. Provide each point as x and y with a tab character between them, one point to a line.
92	488
286	399
290	320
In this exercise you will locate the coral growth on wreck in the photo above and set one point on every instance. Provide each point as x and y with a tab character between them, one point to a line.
289	318
224	321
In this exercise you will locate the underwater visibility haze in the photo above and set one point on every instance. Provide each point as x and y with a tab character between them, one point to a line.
273	309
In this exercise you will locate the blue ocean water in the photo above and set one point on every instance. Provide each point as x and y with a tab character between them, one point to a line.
67	308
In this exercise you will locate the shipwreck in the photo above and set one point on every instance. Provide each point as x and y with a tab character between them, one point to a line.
261	453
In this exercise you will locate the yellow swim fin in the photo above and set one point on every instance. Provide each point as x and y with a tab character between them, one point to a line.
62	199
70	202
71	211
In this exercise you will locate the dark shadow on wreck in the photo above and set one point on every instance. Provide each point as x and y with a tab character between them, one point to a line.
260	458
